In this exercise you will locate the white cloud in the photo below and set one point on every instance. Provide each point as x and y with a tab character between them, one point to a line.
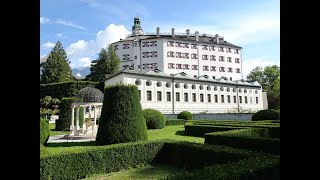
87	49
59	35
85	61
78	75
66	23
48	45
44	20
250	64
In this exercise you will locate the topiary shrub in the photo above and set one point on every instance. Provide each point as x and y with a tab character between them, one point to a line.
154	119
266	115
121	117
44	131
186	115
64	121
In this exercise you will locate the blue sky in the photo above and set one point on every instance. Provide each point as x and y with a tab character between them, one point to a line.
86	26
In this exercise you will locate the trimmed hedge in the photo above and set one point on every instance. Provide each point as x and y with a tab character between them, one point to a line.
200	130
96	160
64	89
258	167
44	131
121	118
64	121
203	159
173	122
228	138
266	115
154	119
186	115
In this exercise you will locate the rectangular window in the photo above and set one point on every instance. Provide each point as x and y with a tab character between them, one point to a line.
159	98
205	68
228	99
201	97
212	68
230	78
149	97
194	97
177	96
125	57
178	66
178	44
139	94
185	45
186	66
185	55
213	77
221	69
215	98
194	56
257	100
221	58
211	48
178	55
194	67
221	49
250	100
170	54
145	44
229	50
240	99
126	46
170	65
168	96
145	54
204	47
116	47
193	46
185	97
237	70
135	57
237	60
170	43
229	59
234	99
153	43
204	57
209	97
153	54
230	69
212	57
236	51
246	99
222	98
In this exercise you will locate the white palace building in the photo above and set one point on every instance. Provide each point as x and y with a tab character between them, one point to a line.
176	72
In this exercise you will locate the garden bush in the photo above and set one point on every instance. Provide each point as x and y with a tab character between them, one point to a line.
266	115
154	119
65	89
186	115
245	140
121	117
204	161
200	130
44	131
173	122
64	121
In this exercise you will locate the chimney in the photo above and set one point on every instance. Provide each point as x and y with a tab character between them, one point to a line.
172	32
217	38
188	33
158	31
197	36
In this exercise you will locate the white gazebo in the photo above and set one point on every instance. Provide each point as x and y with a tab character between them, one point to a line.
91	99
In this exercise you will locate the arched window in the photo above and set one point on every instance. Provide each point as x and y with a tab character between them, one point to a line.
168	85
240	90
193	86
256	91
201	87
234	90
245	91
209	88
221	88
215	88
177	85
159	84
228	89
185	86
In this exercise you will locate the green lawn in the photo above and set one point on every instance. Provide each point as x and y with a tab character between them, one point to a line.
146	172
53	132
168	132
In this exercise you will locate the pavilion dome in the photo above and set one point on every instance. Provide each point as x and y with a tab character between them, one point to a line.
89	95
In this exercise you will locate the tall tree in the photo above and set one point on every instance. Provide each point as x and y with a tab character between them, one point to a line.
57	67
107	63
269	78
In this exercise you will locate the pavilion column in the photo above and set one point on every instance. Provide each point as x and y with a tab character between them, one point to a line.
77	121
95	119
83	123
89	111
72	121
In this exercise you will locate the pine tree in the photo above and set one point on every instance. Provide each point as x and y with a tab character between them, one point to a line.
57	67
107	63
